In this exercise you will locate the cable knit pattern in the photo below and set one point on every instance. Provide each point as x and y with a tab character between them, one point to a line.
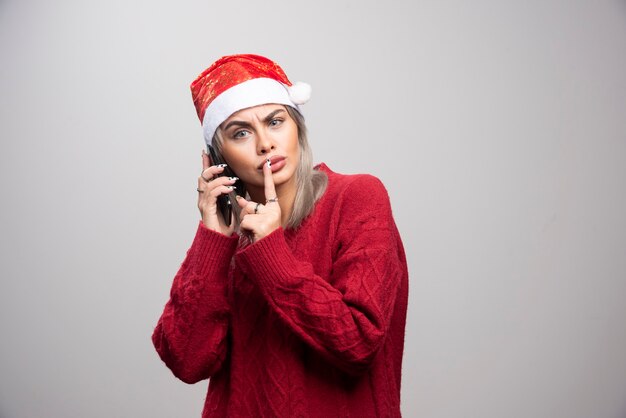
303	323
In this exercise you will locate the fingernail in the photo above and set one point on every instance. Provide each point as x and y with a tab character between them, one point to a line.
222	165
232	187
233	178
269	163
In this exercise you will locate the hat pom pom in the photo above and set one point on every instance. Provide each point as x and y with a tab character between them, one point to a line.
300	92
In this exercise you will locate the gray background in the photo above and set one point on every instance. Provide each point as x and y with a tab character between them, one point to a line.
499	128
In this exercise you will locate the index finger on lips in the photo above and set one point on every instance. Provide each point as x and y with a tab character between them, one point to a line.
270	190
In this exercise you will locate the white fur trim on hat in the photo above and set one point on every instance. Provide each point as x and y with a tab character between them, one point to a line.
250	93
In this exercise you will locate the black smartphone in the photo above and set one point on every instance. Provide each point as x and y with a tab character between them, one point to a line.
224	203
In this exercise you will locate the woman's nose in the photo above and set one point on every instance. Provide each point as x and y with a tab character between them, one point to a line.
264	143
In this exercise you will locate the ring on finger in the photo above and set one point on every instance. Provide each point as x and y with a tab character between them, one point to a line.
256	208
272	200
204	178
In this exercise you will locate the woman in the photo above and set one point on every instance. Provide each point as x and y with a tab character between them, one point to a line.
294	304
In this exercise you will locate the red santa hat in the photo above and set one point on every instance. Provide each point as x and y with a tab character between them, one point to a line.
238	82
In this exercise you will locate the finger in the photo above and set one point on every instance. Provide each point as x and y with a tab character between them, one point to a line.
242	202
205	160
247	206
216	181
220	190
219	182
211	172
270	189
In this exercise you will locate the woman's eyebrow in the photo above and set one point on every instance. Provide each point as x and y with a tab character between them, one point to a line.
236	123
247	124
271	115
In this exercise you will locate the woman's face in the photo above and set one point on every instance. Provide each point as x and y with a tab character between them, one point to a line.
251	136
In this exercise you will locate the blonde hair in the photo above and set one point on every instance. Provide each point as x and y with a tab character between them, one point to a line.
310	183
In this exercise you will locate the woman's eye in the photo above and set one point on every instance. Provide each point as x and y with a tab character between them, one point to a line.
240	134
275	122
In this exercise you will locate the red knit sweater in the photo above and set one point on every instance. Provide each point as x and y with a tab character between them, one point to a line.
302	323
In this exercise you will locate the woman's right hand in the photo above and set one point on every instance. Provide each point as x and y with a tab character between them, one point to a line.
210	186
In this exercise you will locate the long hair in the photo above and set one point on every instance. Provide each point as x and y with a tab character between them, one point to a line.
310	183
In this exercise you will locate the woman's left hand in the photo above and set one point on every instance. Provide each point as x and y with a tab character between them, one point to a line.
259	219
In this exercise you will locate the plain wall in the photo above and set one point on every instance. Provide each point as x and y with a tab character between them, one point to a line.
498	127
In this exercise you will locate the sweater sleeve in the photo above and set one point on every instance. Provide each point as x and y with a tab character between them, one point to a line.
191	335
347	321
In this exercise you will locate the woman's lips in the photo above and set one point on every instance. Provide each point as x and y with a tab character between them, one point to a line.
280	163
277	162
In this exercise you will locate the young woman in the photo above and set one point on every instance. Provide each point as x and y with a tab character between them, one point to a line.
293	303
